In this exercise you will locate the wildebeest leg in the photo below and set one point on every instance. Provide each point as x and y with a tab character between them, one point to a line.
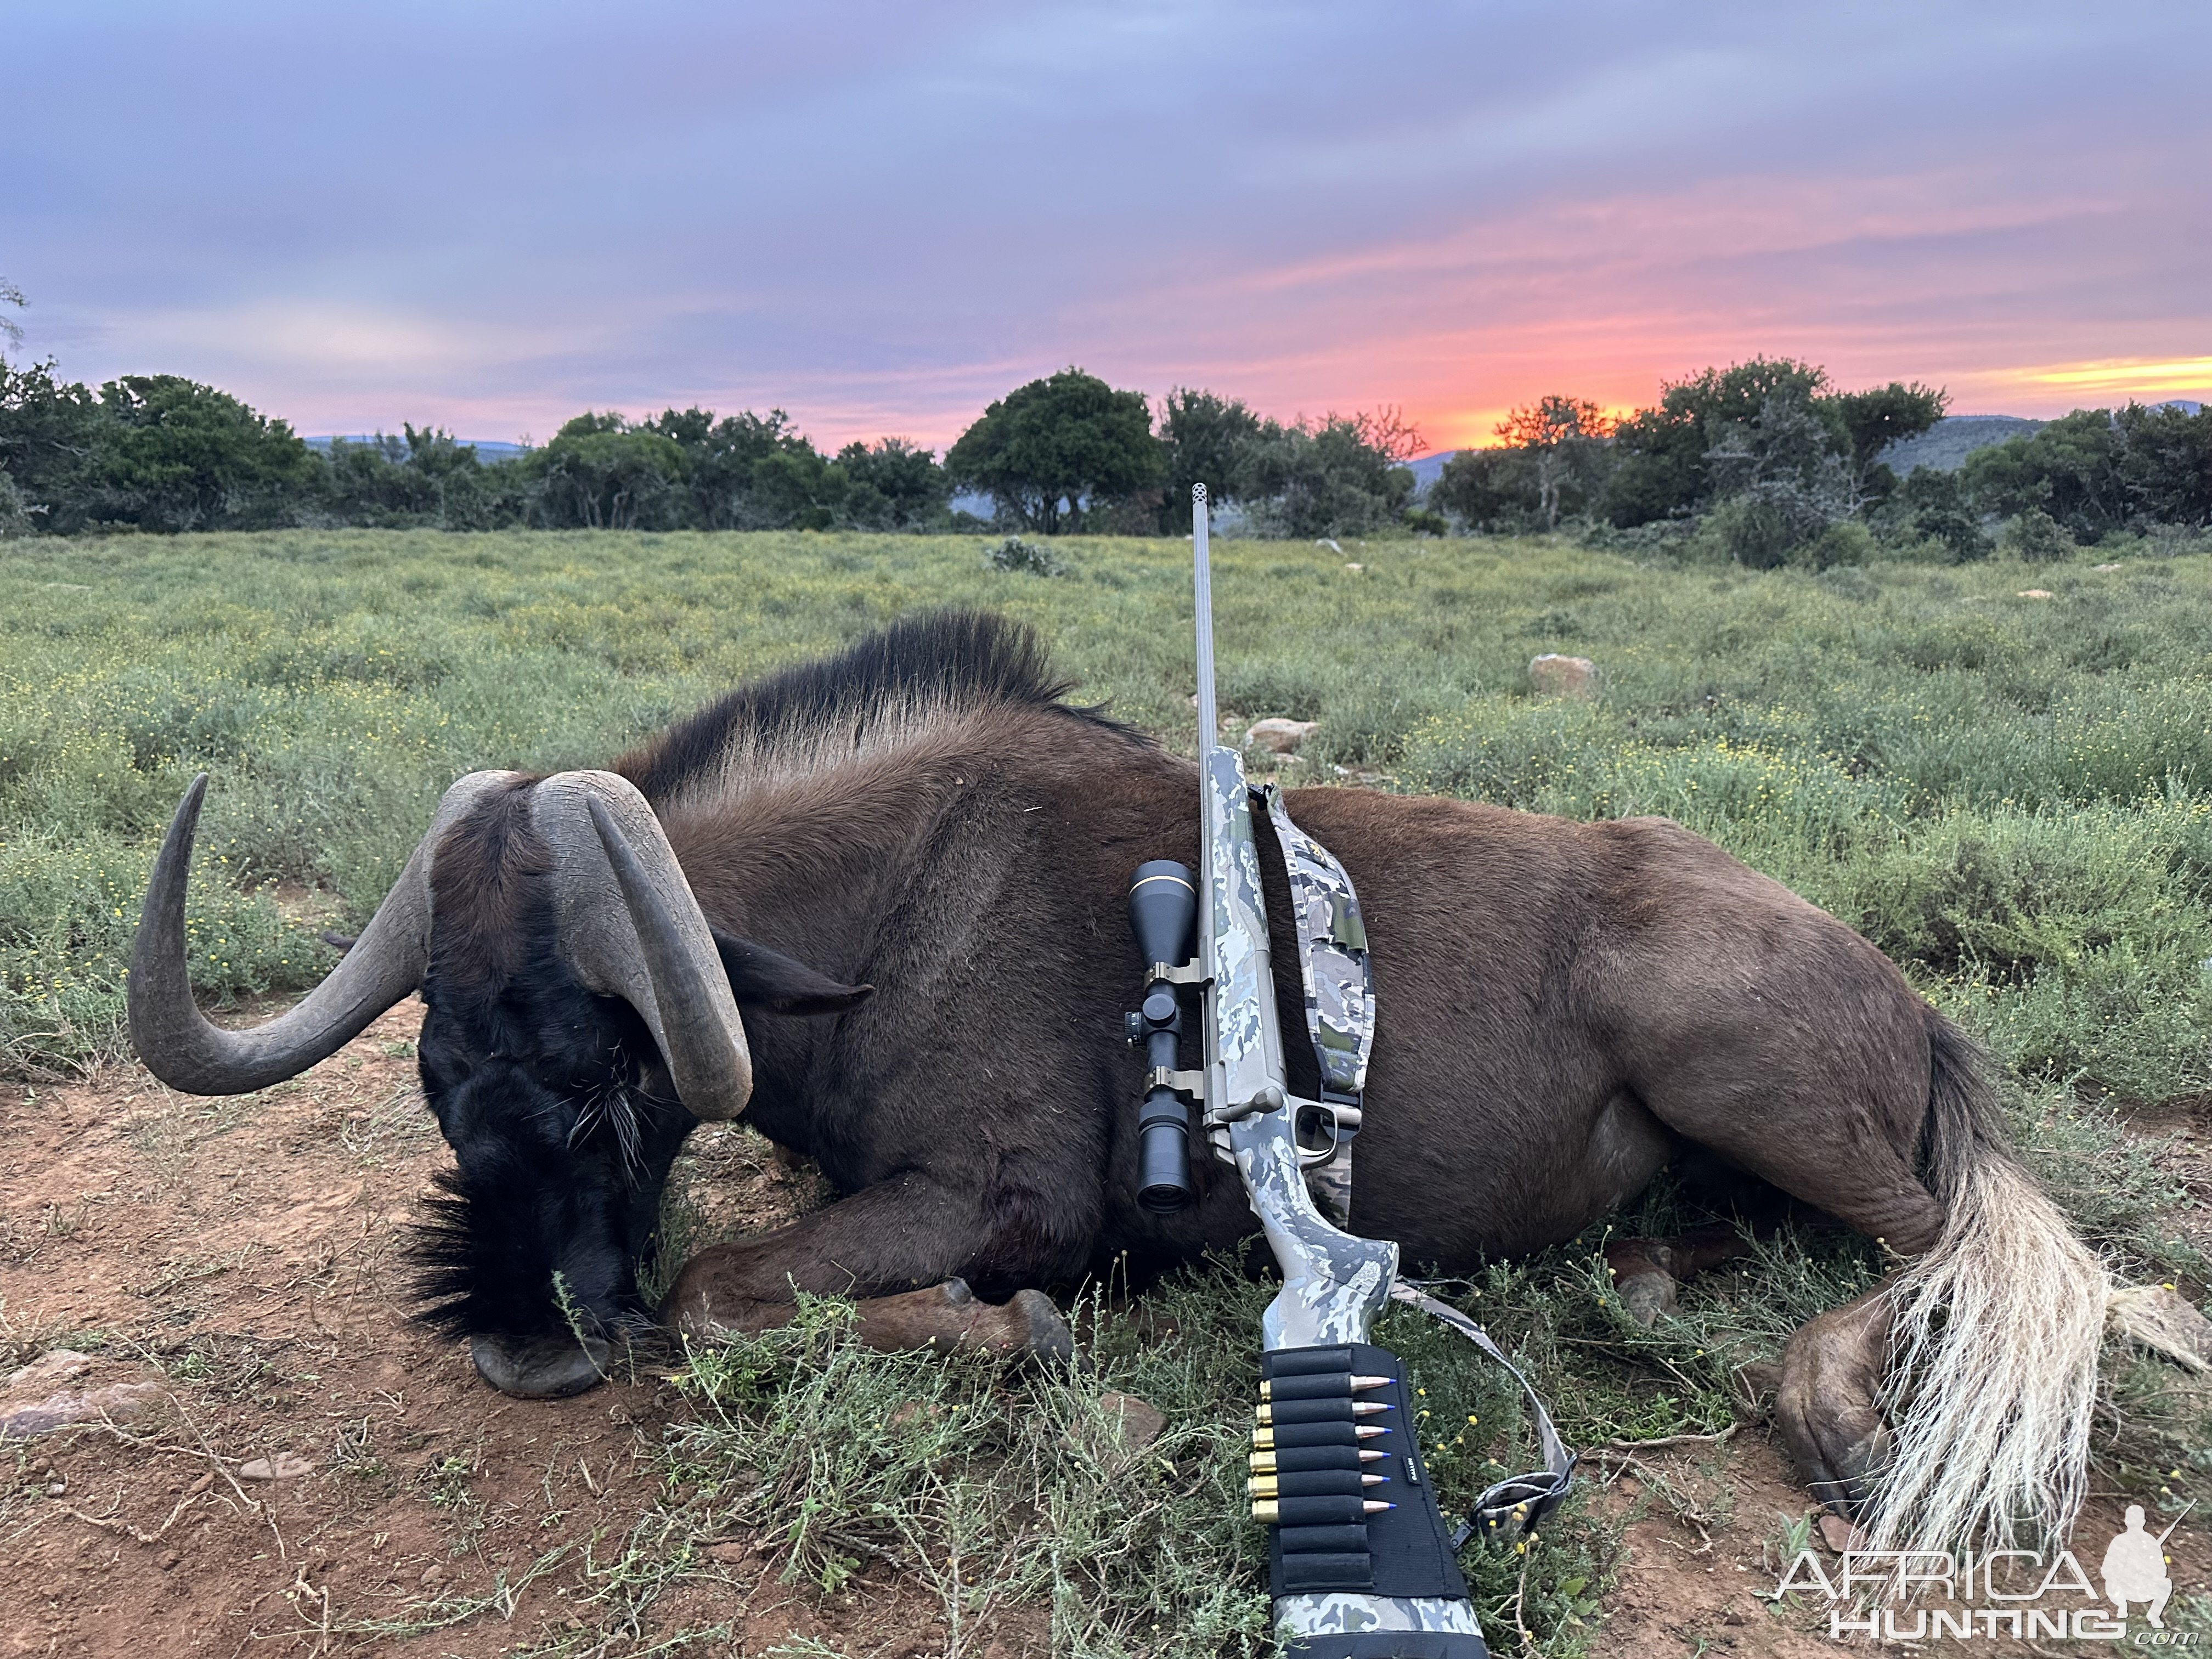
1647	1270
878	1246
1822	1096
1825	1406
944	1317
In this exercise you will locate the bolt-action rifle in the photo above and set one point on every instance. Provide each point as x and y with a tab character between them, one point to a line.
1360	1557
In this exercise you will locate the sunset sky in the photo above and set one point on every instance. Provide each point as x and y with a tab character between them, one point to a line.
880	216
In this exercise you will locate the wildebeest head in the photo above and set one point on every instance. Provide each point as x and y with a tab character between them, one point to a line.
581	1019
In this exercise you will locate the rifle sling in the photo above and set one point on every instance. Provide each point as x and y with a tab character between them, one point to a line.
1339	997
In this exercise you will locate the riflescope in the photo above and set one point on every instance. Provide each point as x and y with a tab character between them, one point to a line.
1163	915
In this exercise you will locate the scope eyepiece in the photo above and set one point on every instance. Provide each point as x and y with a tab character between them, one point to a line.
1163	917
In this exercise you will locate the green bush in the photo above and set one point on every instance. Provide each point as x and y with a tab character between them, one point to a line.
2036	537
1845	542
1015	554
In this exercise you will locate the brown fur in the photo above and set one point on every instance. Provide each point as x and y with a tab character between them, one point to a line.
487	891
1560	1003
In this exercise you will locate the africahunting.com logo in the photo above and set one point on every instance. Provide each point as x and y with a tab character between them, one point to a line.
1905	1595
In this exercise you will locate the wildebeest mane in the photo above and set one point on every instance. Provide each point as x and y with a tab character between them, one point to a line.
930	666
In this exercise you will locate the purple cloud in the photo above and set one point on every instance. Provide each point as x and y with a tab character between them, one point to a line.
881	216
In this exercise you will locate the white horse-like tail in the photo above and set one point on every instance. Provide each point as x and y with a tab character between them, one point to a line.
1995	1340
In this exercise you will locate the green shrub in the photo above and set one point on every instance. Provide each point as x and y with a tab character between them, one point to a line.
2038	538
1015	554
1845	542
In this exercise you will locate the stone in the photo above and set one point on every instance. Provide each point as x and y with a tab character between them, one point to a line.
1557	675
1135	1423
55	1366
2034	592
284	1466
32	1406
434	1574
1279	735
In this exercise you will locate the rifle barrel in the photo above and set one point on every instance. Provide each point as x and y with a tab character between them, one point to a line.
1209	720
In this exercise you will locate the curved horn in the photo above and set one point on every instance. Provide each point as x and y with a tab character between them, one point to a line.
184	1051
631	928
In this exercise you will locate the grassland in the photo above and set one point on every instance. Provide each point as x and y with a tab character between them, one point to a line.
2011	795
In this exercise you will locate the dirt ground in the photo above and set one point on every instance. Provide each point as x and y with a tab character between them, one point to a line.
241	1257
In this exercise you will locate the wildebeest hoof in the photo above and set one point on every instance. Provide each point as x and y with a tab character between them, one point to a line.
1642	1277
540	1367
1646	1295
1648	1272
1045	1331
1824	1405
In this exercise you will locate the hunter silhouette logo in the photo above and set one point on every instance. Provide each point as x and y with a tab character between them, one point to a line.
1909	1595
2134	1568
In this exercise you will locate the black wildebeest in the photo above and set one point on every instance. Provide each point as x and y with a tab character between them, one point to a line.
921	845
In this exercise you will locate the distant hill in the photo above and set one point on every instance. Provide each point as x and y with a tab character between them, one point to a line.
1426	467
1945	445
487	449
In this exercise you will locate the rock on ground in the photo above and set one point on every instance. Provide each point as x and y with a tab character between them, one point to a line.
1557	675
30	1404
1279	735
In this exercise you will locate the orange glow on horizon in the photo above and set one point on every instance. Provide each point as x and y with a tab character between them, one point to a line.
1477	428
2121	374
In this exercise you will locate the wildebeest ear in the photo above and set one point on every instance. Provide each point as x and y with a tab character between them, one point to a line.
761	978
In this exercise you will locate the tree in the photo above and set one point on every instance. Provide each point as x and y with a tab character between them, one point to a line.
10	329
1208	440
2071	470
49	432
748	472
1882	416
1934	507
1492	488
892	484
1779	480
173	454
1048	450
1338	476
2166	463
1563	437
424	478
600	472
2097	470
1661	468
